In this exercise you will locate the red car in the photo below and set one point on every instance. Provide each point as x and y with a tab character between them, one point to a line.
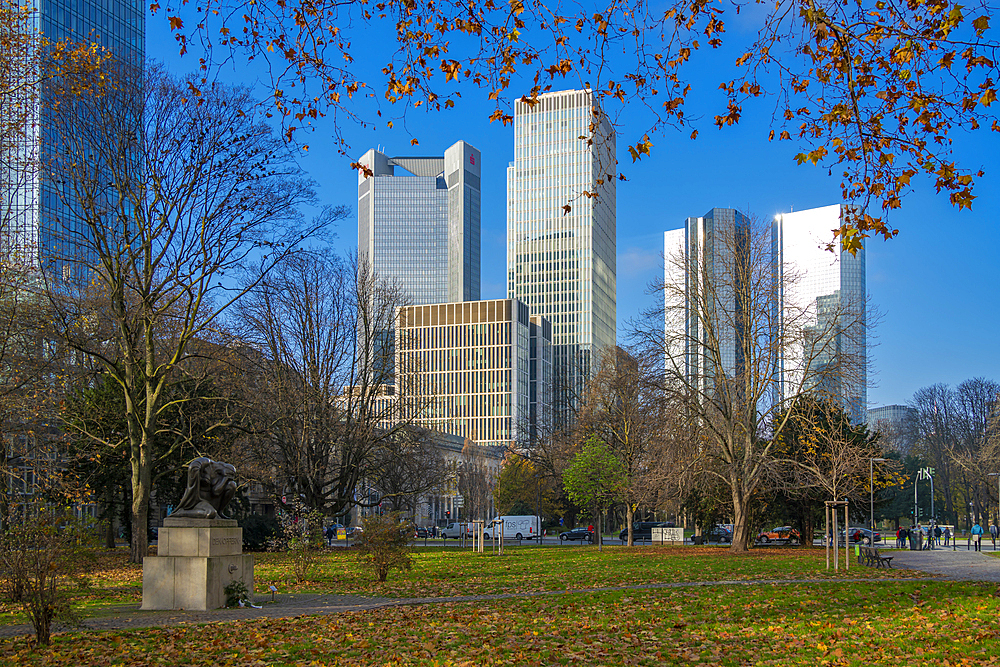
779	534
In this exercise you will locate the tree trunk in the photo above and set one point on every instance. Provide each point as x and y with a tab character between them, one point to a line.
742	540
141	483
629	515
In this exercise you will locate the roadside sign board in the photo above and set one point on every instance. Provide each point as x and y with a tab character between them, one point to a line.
459	501
662	535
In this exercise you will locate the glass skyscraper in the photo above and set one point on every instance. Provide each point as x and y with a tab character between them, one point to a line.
699	274
829	287
34	208
799	305
419	222
560	241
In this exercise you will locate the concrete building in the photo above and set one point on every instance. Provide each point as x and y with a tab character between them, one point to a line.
419	222
480	369
560	241
829	287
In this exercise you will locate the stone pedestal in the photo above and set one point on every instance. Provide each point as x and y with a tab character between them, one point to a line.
196	559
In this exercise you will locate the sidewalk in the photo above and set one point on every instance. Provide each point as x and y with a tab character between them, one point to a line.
957	565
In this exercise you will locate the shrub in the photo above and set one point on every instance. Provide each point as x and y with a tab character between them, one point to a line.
301	536
385	544
259	531
43	552
237	594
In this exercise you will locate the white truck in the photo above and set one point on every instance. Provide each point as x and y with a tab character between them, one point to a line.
515	527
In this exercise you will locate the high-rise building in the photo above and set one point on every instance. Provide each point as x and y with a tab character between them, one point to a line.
700	304
33	208
419	222
475	369
896	425
828	286
561	229
789	285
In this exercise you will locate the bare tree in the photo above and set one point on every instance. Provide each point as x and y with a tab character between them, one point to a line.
166	196
477	475
737	357
406	466
328	404
821	450
952	429
625	410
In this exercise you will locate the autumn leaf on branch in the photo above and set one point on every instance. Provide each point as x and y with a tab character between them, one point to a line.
870	91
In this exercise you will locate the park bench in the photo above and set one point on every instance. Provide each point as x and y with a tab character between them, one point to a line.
871	557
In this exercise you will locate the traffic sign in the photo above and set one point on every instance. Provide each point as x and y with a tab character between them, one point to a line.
459	501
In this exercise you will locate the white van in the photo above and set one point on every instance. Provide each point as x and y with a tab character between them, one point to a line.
515	527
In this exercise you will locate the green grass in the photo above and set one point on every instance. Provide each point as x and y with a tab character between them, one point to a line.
439	572
114	584
826	622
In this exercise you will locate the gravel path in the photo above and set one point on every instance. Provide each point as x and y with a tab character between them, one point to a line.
943	564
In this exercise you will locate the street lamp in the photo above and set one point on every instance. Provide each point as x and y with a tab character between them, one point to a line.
997	475
871	498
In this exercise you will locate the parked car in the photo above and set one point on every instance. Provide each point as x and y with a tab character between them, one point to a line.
779	534
581	533
718	533
859	534
421	532
642	531
454	530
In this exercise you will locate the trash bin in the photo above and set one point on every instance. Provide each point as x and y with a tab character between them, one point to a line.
915	538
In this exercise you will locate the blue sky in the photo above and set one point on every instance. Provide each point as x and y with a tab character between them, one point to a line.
937	284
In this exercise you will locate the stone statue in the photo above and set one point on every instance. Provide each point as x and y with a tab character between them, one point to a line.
210	487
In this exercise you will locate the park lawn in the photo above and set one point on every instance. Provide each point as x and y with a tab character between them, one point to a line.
448	572
820	623
113	583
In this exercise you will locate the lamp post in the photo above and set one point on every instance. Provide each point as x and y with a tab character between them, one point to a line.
997	475
871	495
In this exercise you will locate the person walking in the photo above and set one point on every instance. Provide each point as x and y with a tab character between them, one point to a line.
899	537
993	534
977	535
947	535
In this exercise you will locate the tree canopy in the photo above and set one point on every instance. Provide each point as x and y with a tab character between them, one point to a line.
873	89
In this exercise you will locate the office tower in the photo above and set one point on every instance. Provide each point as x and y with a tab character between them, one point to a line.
467	368
896	424
561	242
33	208
828	287
701	312
419	222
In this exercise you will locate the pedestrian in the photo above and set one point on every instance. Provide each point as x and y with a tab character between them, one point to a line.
937	535
977	535
993	534
947	535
